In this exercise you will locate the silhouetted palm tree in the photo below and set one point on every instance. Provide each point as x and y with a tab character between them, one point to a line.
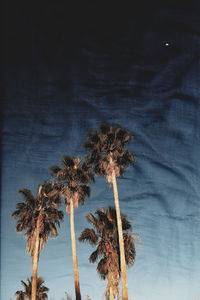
39	217
108	156
20	295
72	181
105	237
41	293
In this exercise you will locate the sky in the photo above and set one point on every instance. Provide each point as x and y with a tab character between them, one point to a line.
68	69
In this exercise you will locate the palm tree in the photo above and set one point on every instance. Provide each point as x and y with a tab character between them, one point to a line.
108	156
105	237
20	295
39	217
72	181
41	293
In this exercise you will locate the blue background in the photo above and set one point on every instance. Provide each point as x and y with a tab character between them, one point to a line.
66	70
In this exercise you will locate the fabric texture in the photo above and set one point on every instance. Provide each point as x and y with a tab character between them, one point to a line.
65	72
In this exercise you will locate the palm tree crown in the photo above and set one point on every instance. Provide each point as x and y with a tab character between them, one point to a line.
105	237
107	150
72	180
42	290
40	212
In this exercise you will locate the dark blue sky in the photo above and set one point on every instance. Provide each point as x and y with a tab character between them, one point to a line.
66	70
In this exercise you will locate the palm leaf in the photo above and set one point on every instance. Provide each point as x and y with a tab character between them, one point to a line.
126	225
102	268
122	134
20	227
105	128
91	218
68	161
102	215
53	229
88	235
93	257
130	252
28	196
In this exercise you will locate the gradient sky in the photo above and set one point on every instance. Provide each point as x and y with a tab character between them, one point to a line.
66	70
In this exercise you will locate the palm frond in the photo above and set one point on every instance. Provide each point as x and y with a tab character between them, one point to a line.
95	138
24	284
91	218
110	138
68	161
21	205
53	229
46	187
99	168
28	196
93	257
92	133
40	281
84	190
102	215
88	235
111	213
130	251
122	134
101	247
89	146
20	227
126	225
16	213
102	268
127	158
105	128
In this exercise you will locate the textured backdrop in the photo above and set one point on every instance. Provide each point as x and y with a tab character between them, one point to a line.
66	70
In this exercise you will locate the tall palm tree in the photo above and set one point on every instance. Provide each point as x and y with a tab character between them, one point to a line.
105	237
72	181
41	293
39	217
108	156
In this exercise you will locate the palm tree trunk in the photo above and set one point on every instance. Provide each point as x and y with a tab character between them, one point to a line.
111	293
35	264
74	254
121	240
